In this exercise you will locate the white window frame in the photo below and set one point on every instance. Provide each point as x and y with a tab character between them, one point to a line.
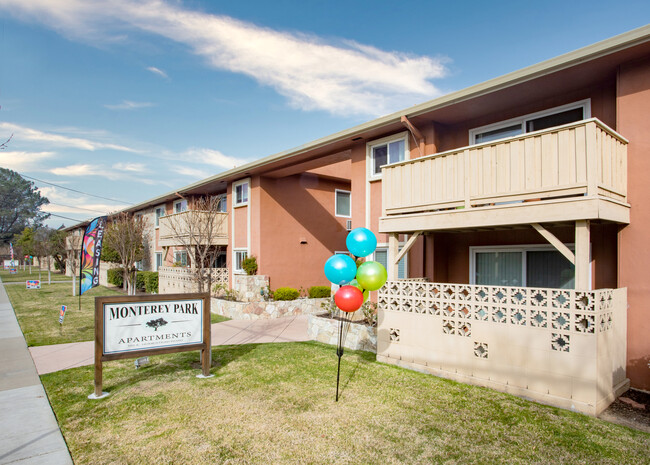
336	202
235	203
222	203
370	162
180	202
584	104
383	246
517	248
157	217
159	255
234	260
181	252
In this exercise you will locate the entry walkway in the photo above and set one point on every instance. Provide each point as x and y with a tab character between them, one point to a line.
289	329
29	433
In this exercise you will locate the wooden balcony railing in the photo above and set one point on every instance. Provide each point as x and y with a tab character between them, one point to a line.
193	227
585	159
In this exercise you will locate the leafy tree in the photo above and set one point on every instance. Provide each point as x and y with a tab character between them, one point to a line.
109	254
58	249
20	204
26	241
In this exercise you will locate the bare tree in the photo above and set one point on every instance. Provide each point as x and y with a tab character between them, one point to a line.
126	234
201	231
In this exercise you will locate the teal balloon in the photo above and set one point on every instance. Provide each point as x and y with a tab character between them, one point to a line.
340	269
361	242
372	275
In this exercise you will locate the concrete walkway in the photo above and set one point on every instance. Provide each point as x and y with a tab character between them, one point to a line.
29	433
289	329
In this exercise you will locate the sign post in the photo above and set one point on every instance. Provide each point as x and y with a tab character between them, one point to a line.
139	326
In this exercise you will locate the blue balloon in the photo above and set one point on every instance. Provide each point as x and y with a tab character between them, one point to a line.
361	242
340	269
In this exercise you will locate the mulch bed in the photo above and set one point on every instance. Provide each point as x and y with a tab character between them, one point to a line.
632	409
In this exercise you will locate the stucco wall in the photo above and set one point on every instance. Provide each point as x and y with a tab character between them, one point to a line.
633	123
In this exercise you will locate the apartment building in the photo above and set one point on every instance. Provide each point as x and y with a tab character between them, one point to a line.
511	216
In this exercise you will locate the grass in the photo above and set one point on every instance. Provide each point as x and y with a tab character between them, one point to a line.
274	403
22	276
37	311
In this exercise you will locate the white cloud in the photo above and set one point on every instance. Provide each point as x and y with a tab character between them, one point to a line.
134	167
24	161
125	172
25	134
157	71
129	105
310	72
190	172
211	157
63	202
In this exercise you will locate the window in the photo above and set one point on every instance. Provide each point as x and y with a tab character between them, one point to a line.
240	193
343	207
139	265
240	255
222	204
381	256
180	206
219	260
534	122
180	258
529	266
159	260
386	152
160	212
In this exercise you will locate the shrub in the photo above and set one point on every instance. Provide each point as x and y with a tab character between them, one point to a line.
249	265
148	282
285	293
318	292
140	280
330	307
369	310
115	276
222	292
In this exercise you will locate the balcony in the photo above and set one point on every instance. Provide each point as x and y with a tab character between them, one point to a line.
193	227
573	172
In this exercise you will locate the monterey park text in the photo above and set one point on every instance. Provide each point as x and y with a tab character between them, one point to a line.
117	312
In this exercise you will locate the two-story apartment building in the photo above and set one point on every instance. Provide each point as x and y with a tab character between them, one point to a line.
518	203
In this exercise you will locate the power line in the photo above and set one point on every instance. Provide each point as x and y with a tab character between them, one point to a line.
74	190
65	217
78	208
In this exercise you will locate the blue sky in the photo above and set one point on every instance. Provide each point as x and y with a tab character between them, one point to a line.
128	100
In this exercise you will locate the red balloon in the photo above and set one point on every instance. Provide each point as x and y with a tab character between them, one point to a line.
348	298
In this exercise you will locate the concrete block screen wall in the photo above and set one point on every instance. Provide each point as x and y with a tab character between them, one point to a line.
558	346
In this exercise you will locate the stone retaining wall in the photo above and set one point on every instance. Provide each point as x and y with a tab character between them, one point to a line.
249	287
359	337
265	310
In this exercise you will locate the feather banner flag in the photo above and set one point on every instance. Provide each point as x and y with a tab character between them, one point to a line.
91	251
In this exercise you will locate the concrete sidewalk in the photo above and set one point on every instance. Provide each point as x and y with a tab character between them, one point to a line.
29	433
289	329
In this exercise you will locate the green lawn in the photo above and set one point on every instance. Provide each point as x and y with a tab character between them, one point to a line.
274	404
22	276
37	311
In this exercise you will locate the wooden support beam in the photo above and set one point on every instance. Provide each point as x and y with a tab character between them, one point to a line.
416	133
582	255
407	247
393	248
555	242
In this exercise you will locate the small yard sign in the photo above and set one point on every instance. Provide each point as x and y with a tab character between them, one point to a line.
62	314
139	326
33	284
13	271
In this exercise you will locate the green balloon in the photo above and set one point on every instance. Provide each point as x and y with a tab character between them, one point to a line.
372	275
356	284
366	294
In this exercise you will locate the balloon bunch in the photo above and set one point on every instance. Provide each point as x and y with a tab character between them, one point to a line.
355	281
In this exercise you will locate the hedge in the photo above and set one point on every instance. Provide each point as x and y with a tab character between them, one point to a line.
115	276
317	292
150	279
285	293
